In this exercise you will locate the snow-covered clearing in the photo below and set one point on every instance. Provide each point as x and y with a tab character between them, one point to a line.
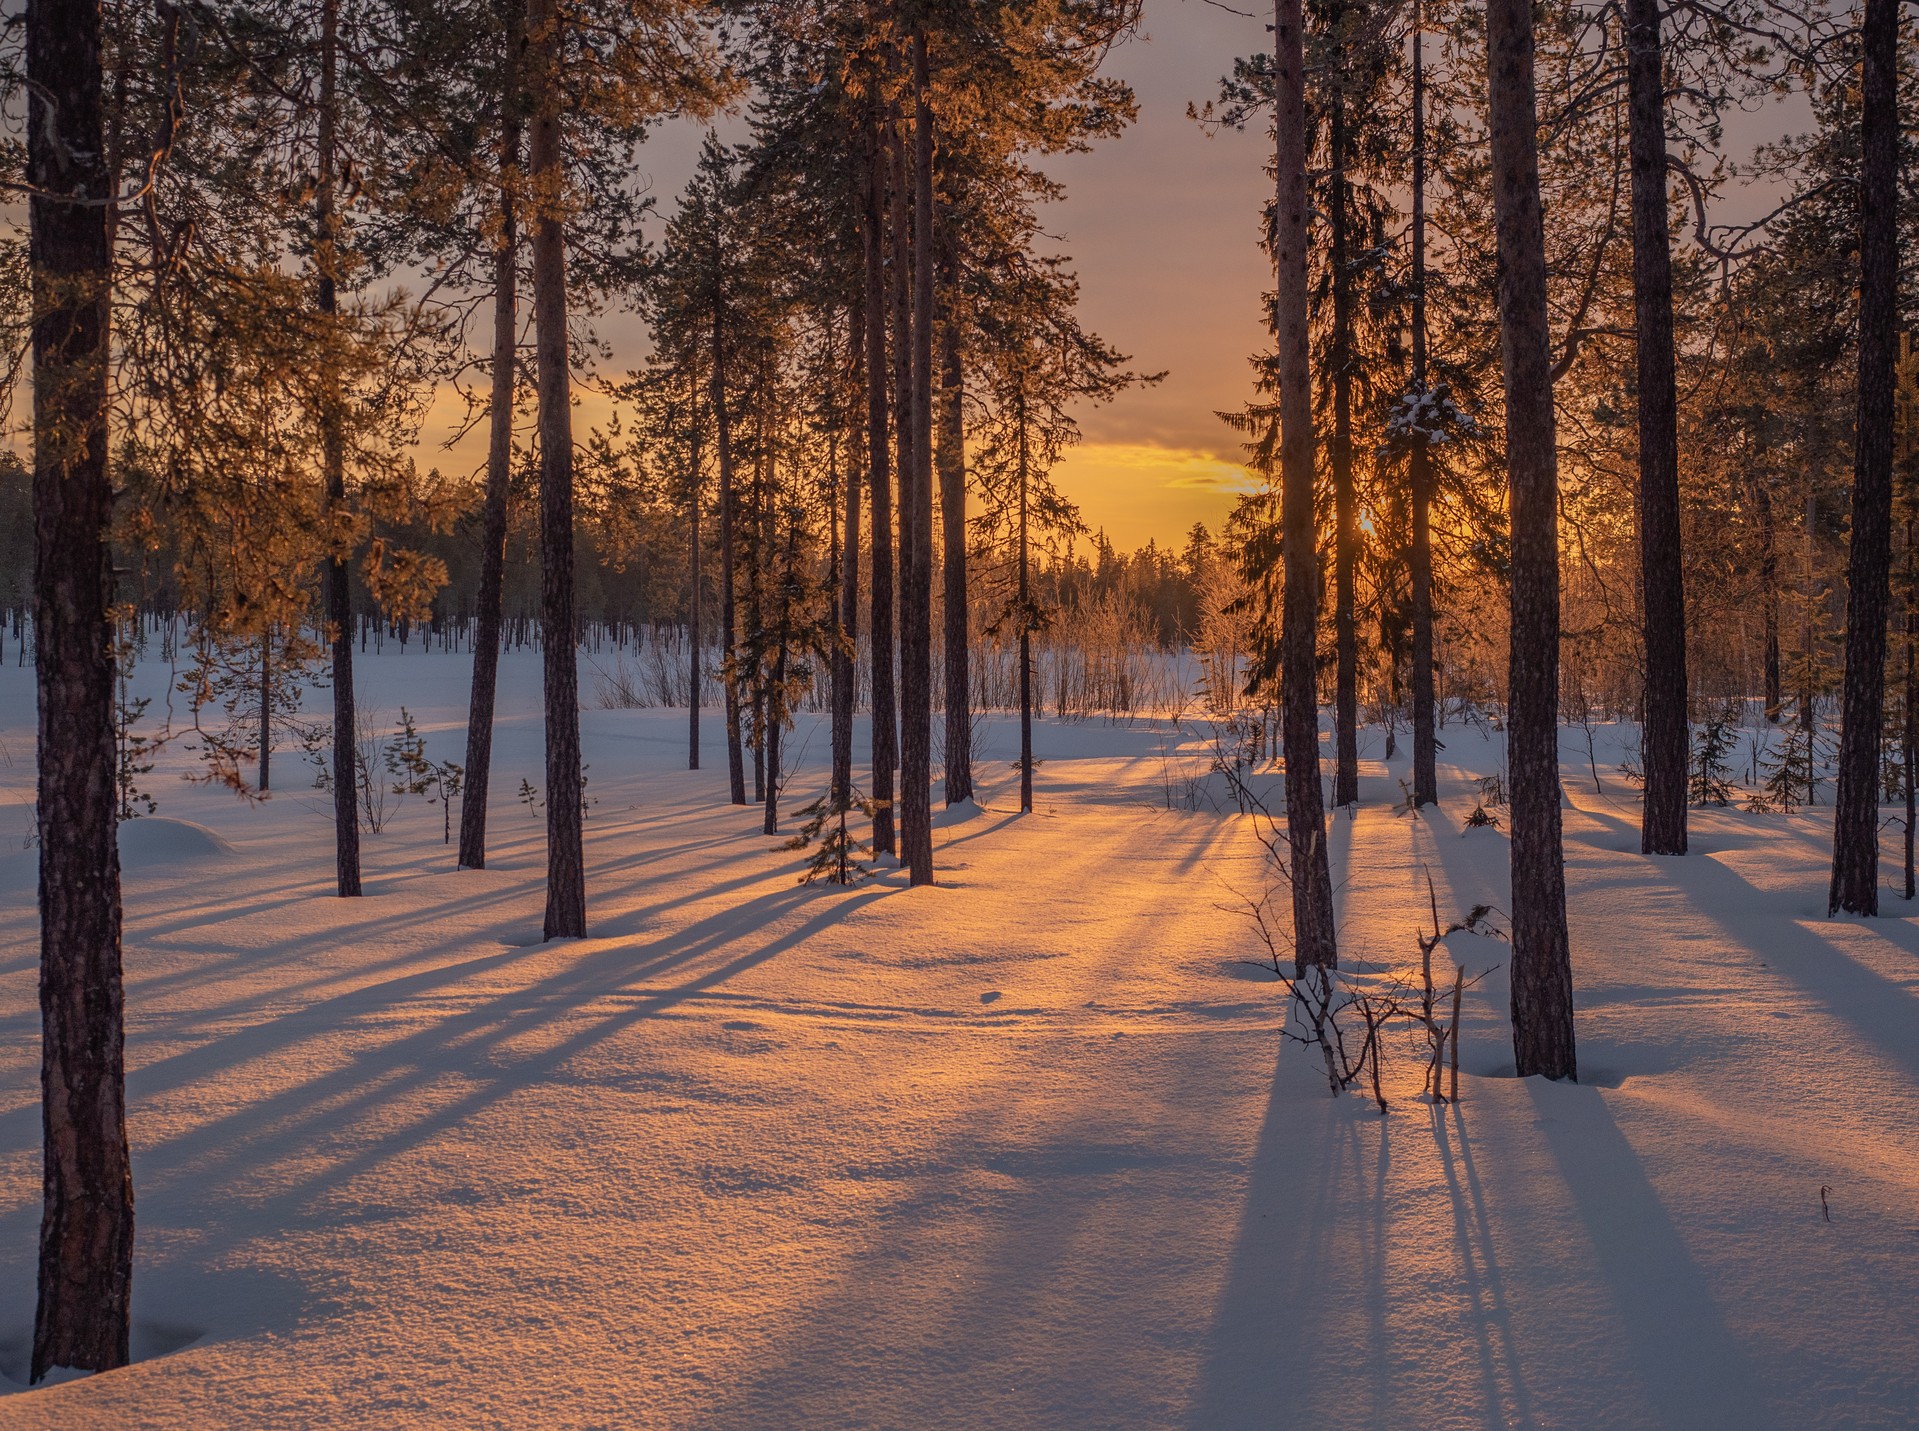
1022	1149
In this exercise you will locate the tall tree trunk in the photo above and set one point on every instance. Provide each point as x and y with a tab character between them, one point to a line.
490	598
916	512
1909	736
339	586
86	1226
756	603
565	855
885	721
1541	968
1769	597
729	531
1663	744
1855	839
952	469
1809	625
849	603
266	709
1425	738
1314	943
1345	535
776	699
696	592
1025	619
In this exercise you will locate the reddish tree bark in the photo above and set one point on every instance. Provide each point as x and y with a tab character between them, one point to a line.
565	810
490	599
1314	943
86	1227
1541	966
1855	837
1664	740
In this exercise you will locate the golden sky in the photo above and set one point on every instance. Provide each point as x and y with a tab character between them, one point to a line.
1163	227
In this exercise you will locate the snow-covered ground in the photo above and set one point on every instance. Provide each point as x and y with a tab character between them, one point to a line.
1019	1150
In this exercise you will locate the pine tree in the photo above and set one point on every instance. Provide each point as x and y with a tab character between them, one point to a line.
1314	944
1541	968
1662	584
1855	850
86	1228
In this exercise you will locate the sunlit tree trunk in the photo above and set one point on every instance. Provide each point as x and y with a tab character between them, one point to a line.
1855	841
86	1227
1345	533
952	468
1769	597
565	855
490	598
1025	616
1541	966
905	427
339	586
1312	889
266	709
696	589
885	723
916	513
1662	582
729	534
1909	736
1425	738
844	675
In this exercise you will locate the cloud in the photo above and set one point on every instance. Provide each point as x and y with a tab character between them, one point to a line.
1153	465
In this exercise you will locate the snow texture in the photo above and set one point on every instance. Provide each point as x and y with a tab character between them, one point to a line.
1018	1150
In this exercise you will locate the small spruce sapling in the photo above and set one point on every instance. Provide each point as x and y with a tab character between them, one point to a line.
1789	772
838	855
414	774
1709	777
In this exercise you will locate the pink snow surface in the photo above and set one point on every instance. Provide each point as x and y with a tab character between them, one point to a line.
1019	1150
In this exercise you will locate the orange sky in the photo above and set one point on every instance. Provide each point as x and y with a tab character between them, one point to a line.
1162	226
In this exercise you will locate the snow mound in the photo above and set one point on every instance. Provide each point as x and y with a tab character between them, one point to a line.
156	840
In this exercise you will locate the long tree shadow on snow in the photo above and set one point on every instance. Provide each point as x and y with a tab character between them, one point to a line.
1877	1011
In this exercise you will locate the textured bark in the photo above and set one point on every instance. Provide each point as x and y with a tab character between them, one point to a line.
565	855
1025	620
490	598
1425	738
1855	839
1663	746
754	620
952	468
695	594
916	515
729	528
86	1227
1314	943
339	586
1345	533
266	710
1541	966
770	825
849	595
1909	734
1769	597
885	725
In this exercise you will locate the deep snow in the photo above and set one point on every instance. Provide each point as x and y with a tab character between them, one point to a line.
1022	1149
